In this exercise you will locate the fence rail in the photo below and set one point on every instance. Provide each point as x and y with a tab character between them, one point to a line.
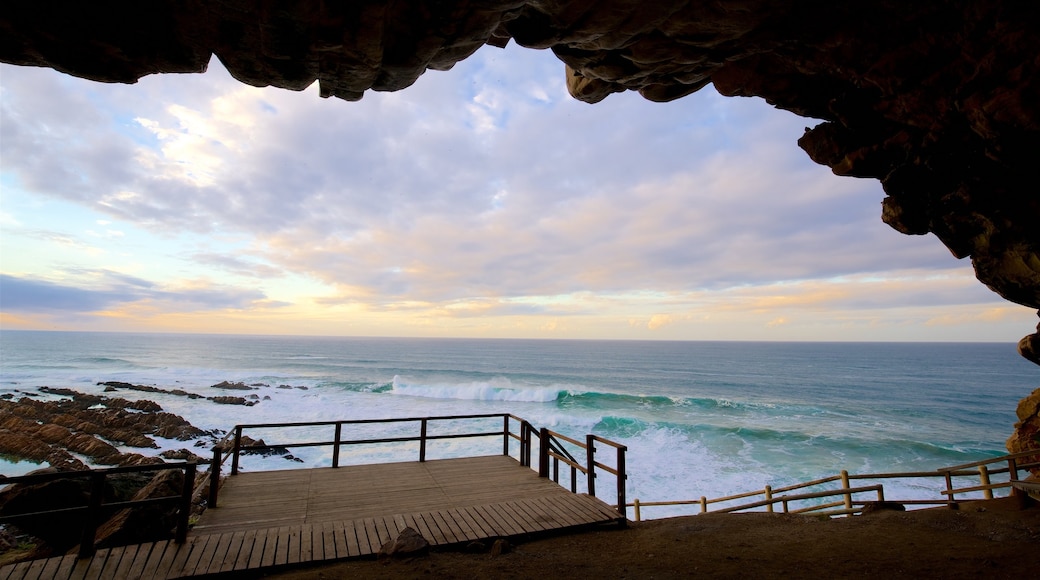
96	506
552	447
850	505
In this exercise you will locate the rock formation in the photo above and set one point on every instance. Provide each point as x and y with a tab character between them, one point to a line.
939	100
47	431
1027	430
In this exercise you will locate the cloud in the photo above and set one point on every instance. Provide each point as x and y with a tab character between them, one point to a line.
482	192
105	291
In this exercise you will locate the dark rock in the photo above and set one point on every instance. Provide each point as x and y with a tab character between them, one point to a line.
501	546
231	401
148	523
60	531
408	543
232	386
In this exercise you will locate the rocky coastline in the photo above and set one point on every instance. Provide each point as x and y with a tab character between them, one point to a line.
66	430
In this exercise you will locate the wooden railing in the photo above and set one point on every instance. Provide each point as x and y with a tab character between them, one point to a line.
550	444
1014	464
96	506
849	505
553	451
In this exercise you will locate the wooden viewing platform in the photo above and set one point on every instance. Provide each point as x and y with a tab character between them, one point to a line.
279	519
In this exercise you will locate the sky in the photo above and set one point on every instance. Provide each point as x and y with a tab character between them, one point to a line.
482	201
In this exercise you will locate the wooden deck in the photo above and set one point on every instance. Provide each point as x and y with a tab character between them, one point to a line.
287	518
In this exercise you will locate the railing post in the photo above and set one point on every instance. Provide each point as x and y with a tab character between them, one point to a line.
622	479
422	441
704	505
845	485
635	504
187	489
237	450
769	496
590	455
543	453
949	490
984	480
556	470
335	444
881	493
1013	476
528	435
574	479
214	476
505	435
97	492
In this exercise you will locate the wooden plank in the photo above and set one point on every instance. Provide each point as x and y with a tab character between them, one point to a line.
561	512
174	560
213	555
79	568
436	536
191	561
245	550
346	540
115	555
97	564
541	513
491	523
259	545
514	522
295	544
367	537
17	571
598	506
226	561
328	535
270	548
385	531
30	569
475	523
154	557
53	567
65	565
528	517
35	569
442	525
137	566
125	561
282	555
306	536
467	533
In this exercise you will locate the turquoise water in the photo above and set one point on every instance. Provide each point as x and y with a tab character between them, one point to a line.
699	418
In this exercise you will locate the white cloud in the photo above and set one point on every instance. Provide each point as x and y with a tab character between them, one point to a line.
476	192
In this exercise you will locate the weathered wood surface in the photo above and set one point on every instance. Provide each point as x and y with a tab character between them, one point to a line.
343	513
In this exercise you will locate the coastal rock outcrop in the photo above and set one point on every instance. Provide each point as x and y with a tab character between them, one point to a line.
939	101
53	431
1027	430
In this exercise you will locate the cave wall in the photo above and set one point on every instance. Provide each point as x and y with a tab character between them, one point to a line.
938	100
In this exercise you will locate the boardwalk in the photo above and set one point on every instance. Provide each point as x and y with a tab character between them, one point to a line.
288	518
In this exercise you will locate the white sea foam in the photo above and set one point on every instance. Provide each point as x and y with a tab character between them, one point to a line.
498	389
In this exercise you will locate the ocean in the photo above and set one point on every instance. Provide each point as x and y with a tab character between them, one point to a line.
698	418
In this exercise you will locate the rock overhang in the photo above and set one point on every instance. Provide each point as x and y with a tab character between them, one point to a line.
938	100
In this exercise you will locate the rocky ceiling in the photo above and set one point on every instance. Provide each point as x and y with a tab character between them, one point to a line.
939	100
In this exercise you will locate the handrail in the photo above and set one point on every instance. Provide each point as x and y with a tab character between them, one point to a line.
949	473
551	449
231	445
95	499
